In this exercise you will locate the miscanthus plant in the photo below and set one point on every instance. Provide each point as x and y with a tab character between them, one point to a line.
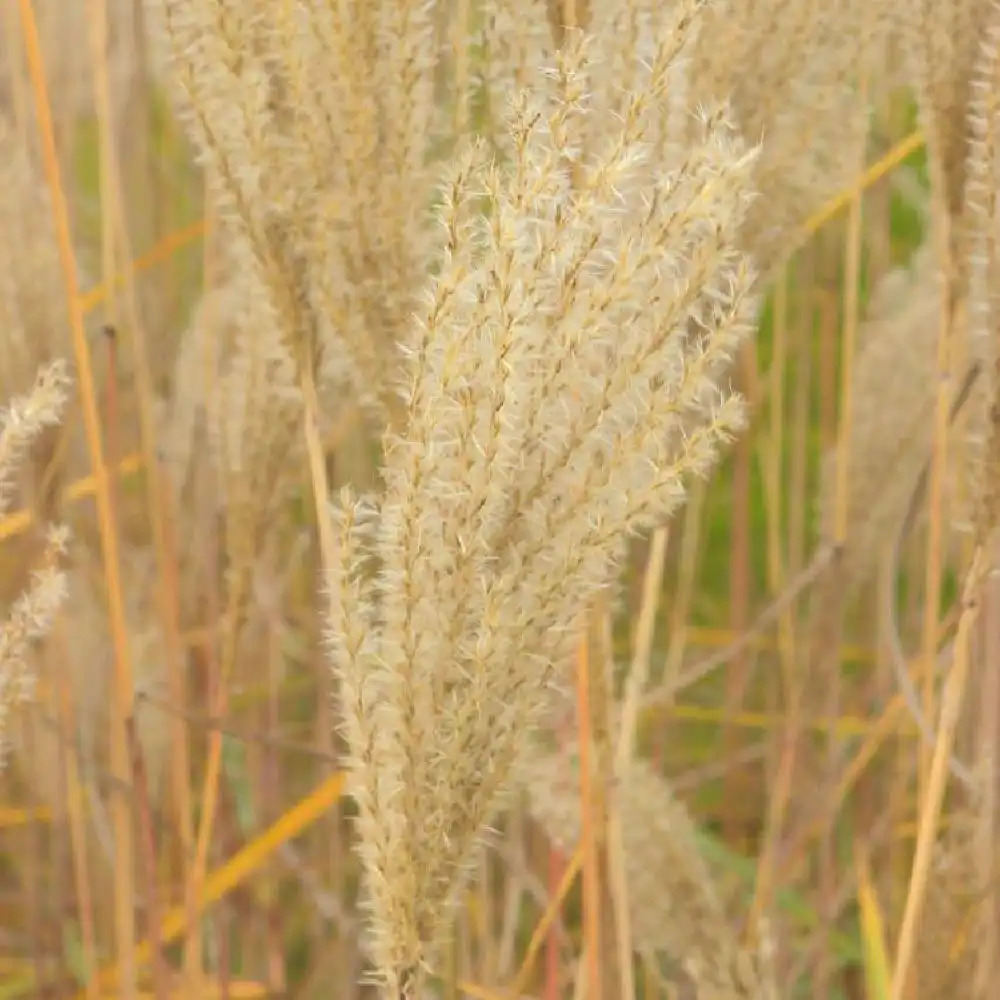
32	614
547	351
564	379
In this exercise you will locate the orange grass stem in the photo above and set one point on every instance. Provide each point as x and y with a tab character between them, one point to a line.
237	869
161	251
937	778
123	687
545	924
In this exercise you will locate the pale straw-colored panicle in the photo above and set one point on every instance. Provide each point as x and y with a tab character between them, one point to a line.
794	71
316	123
33	329
566	378
32	304
78	662
518	44
943	39
981	453
895	375
64	39
229	424
678	919
32	614
891	427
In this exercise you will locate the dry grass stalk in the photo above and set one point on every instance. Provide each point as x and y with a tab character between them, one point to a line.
322	176
983	225
943	41
891	430
678	919
68	62
895	372
32	614
90	671
31	316
563	387
956	915
983	263
577	307
951	70
228	422
790	70
251	427
942	76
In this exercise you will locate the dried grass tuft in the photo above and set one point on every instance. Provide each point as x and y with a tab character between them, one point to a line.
564	384
678	918
31	616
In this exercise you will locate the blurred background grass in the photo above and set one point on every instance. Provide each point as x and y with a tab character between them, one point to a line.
280	923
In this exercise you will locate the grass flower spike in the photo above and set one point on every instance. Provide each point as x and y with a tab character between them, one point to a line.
563	385
32	614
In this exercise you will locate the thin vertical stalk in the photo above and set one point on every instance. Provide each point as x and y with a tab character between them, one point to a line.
798	476
737	676
937	778
638	675
852	286
773	451
935	487
219	701
588	814
115	248
460	29
989	743
556	868
78	839
123	685
192	968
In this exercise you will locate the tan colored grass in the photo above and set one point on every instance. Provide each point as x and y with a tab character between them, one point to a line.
895	371
894	386
485	541
322	178
792	72
943	42
983	226
553	392
31	316
31	616
678	918
90	671
955	919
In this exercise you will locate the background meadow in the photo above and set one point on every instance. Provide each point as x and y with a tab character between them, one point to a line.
745	745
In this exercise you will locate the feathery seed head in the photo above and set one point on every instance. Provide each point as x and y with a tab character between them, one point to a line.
982	219
564	381
33	613
677	917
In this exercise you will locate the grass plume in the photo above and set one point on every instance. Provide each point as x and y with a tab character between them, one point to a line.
32	614
564	384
